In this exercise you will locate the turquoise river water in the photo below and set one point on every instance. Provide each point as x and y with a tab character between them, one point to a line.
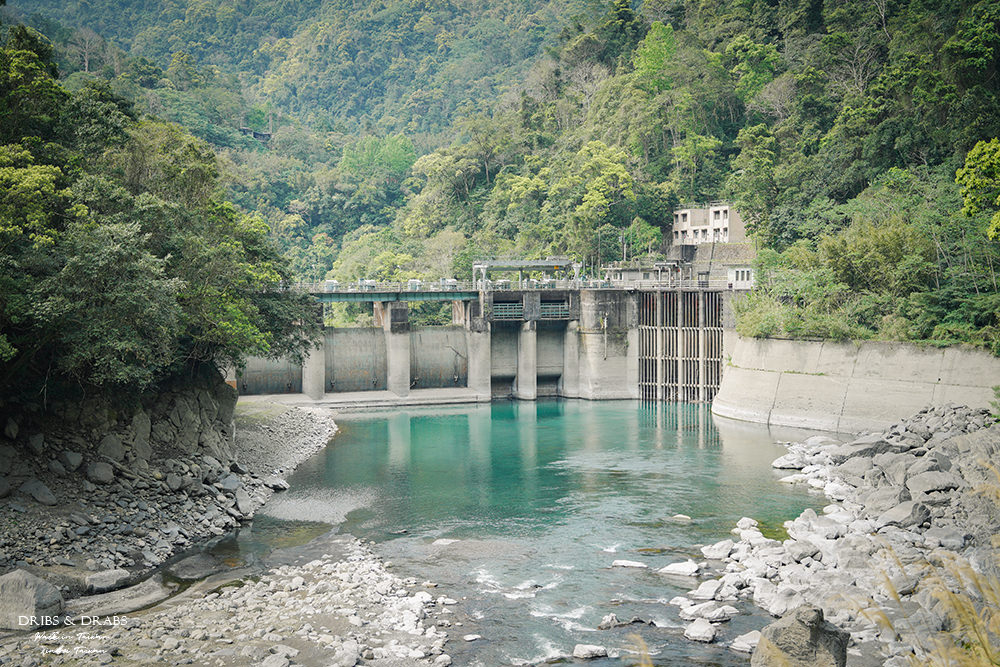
518	510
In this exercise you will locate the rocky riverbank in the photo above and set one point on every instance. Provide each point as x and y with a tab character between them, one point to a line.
338	610
95	508
907	512
342	608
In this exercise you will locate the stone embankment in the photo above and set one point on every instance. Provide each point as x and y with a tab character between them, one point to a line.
99	495
905	504
337	610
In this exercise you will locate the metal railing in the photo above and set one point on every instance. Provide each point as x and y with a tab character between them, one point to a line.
373	286
555	310
508	310
513	285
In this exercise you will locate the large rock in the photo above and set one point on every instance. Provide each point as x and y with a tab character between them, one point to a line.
39	492
687	568
868	445
746	643
70	460
112	447
801	639
700	631
142	428
929	481
883	498
719	550
28	602
197	566
100	473
589	651
106	580
231	483
244	504
36	443
4	487
7	456
904	515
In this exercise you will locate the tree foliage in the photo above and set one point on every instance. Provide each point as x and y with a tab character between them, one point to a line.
121	264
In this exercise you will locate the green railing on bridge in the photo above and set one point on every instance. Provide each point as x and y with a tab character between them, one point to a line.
555	310
513	310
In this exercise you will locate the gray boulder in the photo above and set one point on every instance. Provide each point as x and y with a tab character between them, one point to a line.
244	504
868	445
111	446
70	460
884	498
932	480
197	566
904	515
894	466
231	482
28	602
801	639
949	538
100	473
106	580
4	487
800	549
142	427
589	651
7	456
700	631
275	482
36	442
39	492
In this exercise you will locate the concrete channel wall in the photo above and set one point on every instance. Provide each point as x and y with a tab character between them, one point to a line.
847	387
355	359
438	357
585	346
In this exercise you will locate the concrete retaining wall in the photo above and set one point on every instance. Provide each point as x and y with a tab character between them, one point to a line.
847	387
270	376
355	359
438	357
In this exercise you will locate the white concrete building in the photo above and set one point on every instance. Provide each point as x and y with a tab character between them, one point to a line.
716	222
740	277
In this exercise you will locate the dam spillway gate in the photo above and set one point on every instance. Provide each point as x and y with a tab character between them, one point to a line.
637	342
680	345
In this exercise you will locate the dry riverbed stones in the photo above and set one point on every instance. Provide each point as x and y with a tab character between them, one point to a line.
333	611
902	499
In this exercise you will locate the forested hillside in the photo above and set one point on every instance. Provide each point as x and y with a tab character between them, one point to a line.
414	136
121	263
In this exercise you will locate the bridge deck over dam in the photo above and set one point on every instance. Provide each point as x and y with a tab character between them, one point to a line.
523	339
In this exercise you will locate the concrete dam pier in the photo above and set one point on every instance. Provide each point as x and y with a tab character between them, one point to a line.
611	343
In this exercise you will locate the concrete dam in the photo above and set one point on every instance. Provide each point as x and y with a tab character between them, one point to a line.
652	342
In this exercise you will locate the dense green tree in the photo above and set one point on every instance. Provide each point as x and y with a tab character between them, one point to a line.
122	266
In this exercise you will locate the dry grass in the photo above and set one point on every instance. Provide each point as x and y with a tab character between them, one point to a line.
641	650
969	601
